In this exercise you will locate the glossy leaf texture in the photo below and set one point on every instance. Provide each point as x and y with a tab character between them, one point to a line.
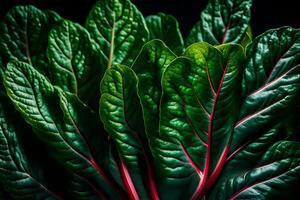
277	171
16	174
118	30
271	55
222	21
270	88
149	68
73	60
24	36
213	118
247	37
166	28
271	83
246	158
200	92
46	109
121	112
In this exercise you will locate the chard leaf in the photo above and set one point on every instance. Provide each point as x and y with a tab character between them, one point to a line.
121	112
149	67
222	21
271	82
88	124
278	170
118	29
245	158
270	56
197	118
166	28
270	86
44	108
24	36
73	60
16	174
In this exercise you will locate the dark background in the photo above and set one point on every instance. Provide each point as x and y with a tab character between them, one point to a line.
266	14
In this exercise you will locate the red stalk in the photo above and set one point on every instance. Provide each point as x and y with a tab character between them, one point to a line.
133	195
202	185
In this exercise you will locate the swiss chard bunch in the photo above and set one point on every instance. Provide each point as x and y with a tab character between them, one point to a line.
214	117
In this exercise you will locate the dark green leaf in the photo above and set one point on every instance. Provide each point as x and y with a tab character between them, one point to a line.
74	65
270	56
45	108
16	174
24	36
118	29
166	28
275	175
222	21
271	82
245	158
197	118
149	67
121	112
88	123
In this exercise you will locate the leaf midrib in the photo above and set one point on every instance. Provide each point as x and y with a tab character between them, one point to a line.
112	43
206	178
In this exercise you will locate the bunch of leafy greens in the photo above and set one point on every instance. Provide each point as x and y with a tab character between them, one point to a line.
214	117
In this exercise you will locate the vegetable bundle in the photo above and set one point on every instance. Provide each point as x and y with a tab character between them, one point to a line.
124	108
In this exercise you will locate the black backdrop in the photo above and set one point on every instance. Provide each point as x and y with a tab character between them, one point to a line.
266	14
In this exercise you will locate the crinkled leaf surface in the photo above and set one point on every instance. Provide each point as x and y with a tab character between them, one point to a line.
201	126
244	159
121	112
270	56
149	67
222	21
45	108
16	175
270	87
118	29
277	171
73	60
24	36
197	115
271	82
166	28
